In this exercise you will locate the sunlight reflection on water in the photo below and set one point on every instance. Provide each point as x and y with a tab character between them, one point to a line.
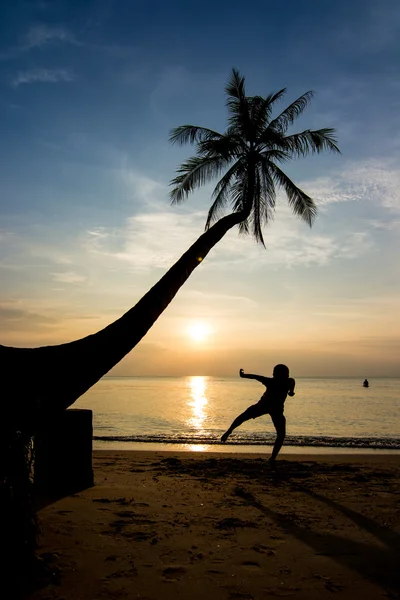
198	401
197	447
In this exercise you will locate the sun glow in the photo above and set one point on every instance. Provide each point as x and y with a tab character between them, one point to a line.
199	331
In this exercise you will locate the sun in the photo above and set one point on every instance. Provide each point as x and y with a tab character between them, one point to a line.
199	331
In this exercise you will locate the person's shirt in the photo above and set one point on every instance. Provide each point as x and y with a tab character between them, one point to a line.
276	392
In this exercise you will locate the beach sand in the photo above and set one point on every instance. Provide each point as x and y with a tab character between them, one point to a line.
167	525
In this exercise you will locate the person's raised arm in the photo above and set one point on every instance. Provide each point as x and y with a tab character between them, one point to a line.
292	384
259	378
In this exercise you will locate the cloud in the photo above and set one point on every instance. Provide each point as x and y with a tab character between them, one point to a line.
212	305
12	318
149	240
290	245
142	189
40	34
40	75
158	239
376	180
68	277
392	225
37	36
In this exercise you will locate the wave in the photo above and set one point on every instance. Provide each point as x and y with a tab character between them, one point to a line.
316	441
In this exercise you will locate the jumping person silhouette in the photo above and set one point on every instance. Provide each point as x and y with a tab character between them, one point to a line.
271	403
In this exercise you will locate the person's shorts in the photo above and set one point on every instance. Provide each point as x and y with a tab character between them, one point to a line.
261	408
257	410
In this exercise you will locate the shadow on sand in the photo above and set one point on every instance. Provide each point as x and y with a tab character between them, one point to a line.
376	563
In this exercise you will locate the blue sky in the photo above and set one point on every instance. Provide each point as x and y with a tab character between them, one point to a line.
89	93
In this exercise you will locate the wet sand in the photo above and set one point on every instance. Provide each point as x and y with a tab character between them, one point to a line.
167	525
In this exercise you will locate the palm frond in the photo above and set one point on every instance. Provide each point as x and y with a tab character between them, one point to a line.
238	105
274	97
221	193
261	109
238	205
302	205
257	210
310	142
272	139
226	146
275	155
234	134
268	191
294	110
235	87
192	134
195	172
238	194
263	209
258	111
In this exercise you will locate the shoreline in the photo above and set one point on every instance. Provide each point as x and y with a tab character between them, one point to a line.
178	525
391	458
114	446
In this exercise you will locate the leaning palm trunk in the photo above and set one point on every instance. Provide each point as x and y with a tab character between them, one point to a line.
49	379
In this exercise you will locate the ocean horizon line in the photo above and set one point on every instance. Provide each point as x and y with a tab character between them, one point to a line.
369	377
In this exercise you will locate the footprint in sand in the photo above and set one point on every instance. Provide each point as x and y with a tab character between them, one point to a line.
140	536
264	550
251	565
233	523
215	572
238	595
173	573
132	572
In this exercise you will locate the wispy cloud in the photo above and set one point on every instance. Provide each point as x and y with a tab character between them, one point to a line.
376	180
210	304
41	75
148	239
156	240
37	36
68	277
155	237
392	225
289	246
41	34
14	317
143	190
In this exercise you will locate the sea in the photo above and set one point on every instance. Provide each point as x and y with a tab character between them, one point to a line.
191	413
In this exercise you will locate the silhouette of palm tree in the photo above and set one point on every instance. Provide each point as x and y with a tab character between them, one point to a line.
250	151
49	379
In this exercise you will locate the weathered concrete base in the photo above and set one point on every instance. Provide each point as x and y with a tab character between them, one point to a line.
63	456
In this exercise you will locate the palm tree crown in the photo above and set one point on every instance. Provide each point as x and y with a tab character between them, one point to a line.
249	153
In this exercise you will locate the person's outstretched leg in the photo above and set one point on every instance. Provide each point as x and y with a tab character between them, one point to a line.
279	422
249	413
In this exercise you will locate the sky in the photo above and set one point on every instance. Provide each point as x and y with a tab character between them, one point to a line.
89	94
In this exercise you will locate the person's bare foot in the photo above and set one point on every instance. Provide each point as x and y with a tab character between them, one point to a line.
225	436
